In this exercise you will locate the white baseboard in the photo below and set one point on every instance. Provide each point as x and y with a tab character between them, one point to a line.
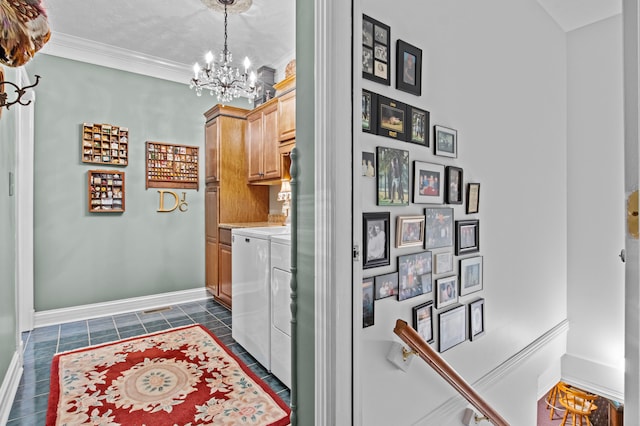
77	313
9	387
601	379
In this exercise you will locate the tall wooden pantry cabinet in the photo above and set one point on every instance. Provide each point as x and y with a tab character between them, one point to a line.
228	197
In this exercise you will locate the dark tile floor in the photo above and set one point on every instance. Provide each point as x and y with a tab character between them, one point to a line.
30	404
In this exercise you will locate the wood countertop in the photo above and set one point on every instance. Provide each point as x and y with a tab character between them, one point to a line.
248	225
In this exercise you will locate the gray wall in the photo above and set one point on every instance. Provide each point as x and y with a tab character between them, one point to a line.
7	232
83	258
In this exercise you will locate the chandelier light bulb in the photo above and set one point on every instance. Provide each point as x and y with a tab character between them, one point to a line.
247	64
208	57
196	70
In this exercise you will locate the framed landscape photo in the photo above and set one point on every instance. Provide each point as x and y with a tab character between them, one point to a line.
428	183
445	141
375	239
467	236
473	198
409	231
446	291
418	126
454	185
422	321
438	227
409	68
442	262
376	38
386	285
368	164
414	275
369	111
452	328
393	177
392	120
470	275
476	319
367	302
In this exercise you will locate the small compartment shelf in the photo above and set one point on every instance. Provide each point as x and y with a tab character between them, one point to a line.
171	166
105	144
106	191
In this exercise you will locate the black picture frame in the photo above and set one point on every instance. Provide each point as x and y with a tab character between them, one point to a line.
419	126
409	68
375	239
392	177
369	112
452	328
376	51
386	285
473	198
467	236
438	227
414	275
368	317
392	118
476	319
423	320
445	141
454	185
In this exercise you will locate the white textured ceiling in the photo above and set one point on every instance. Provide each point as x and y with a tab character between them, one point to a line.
572	14
180	31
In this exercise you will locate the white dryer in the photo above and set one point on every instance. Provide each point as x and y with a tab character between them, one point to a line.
281	308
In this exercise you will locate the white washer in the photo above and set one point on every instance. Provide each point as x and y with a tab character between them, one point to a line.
281	308
251	290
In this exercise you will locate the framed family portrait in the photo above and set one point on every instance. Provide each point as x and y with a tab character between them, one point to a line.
473	198
454	185
438	227
422	321
476	319
392	121
442	262
368	164
386	285
470	275
414	274
418	126
446	291
467	236
375	239
376	38
409	231
409	68
452	328
428	183
367	302
369	111
445	141
393	177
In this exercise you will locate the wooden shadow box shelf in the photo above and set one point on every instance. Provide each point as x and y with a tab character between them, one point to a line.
105	144
106	191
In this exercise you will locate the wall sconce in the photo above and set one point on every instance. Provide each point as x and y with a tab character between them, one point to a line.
19	91
285	195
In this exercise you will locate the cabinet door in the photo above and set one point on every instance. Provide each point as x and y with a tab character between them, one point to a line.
224	277
287	116
211	213
254	146
211	269
212	149
270	142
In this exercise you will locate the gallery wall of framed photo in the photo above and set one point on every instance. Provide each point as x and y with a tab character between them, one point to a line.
420	207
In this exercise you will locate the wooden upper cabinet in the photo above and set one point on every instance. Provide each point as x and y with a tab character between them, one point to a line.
212	148
263	160
287	116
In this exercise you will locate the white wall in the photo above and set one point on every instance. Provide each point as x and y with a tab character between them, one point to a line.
496	72
595	230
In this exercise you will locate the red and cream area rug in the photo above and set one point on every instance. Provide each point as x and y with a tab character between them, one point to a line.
183	376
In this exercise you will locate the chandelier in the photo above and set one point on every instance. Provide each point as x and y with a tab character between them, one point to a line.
222	78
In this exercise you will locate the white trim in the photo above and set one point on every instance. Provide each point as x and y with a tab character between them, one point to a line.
9	387
77	313
452	407
79	49
602	377
24	206
333	199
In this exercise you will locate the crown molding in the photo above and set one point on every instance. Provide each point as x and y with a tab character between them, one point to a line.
83	50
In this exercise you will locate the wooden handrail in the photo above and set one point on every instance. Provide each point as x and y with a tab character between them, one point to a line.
426	352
